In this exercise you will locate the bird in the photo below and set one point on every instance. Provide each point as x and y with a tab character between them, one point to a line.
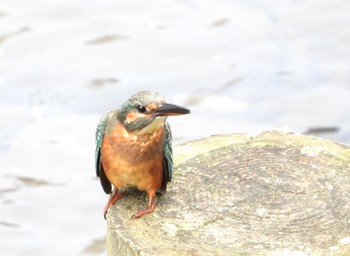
134	148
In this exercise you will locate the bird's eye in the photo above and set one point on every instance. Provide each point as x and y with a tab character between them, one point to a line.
141	109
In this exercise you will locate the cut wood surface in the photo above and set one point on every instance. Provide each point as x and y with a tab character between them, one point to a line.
276	193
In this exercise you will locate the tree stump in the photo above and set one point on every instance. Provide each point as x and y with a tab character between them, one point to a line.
273	194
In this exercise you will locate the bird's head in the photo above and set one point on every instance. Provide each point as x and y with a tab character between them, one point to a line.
146	111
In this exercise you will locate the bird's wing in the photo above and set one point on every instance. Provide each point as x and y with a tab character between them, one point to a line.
167	159
100	132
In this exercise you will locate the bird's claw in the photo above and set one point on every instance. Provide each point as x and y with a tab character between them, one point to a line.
142	212
114	198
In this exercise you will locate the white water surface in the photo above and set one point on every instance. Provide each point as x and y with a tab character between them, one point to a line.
240	66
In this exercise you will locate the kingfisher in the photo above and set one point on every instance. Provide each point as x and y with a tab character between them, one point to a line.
134	147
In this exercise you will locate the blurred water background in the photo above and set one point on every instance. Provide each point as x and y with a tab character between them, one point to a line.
240	66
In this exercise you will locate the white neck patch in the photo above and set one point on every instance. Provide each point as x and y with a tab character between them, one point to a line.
153	126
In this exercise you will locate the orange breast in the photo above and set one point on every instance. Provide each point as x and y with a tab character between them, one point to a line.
134	160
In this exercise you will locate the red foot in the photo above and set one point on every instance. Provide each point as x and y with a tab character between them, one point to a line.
150	208
140	213
114	198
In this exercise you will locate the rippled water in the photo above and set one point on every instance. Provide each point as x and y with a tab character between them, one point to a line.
240	66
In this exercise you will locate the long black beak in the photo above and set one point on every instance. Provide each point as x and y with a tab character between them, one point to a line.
167	109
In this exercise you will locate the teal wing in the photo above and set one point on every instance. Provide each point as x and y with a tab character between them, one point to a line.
167	159
100	132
